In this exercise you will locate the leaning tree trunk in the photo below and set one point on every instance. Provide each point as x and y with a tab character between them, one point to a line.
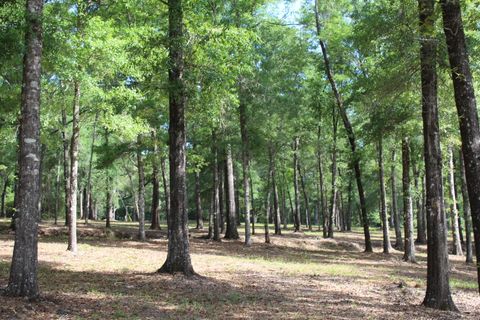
141	191
466	212
73	189
457	244
438	294
23	270
351	137
409	253
466	109
231	232
395	213
178	256
387	247
296	216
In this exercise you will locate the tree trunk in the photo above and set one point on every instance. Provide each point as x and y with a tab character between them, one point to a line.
395	213
333	199
276	203
221	197
466	212
438	294
73	190
349	204
305	198
178	257
4	194
66	165
350	134
421	235
198	201
89	174
216	190
246	170
466	109
296	216
231	232
253	215
23	270
409	253
269	194
387	247
322	198
155	222
457	244
166	189
141	191
108	187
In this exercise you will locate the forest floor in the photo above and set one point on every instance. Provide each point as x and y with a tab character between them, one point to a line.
297	276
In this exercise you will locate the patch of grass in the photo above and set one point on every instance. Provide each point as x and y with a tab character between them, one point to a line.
463	284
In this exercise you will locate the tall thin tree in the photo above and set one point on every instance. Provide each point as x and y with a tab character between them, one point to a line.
178	256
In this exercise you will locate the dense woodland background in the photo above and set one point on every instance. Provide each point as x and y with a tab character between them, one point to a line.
300	116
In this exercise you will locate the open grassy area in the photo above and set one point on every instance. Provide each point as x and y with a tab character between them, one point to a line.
298	276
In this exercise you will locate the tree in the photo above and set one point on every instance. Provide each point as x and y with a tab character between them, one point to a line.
23	270
438	294
351	136
231	232
178	256
466	108
409	253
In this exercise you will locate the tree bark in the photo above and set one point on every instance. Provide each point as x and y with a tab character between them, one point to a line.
231	232
23	270
387	247
466	109
350	134
438	294
333	199
409	253
178	256
73	189
395	213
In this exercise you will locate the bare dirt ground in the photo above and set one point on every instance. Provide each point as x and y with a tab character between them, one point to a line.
298	276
